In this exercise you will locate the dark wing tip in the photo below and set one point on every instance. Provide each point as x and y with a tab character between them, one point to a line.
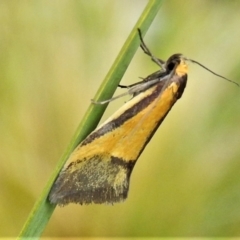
93	181
98	196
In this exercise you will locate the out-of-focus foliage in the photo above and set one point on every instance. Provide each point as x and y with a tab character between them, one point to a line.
53	56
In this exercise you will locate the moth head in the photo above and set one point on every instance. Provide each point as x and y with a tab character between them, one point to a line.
178	63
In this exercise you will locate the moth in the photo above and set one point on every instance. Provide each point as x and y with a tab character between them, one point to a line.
99	169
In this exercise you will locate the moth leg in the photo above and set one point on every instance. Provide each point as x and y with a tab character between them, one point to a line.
109	100
146	50
123	86
133	90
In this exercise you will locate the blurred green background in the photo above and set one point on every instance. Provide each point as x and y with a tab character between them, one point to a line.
53	57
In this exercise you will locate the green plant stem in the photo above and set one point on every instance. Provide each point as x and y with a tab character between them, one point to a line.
43	210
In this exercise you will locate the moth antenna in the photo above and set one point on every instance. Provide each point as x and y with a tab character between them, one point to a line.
193	61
